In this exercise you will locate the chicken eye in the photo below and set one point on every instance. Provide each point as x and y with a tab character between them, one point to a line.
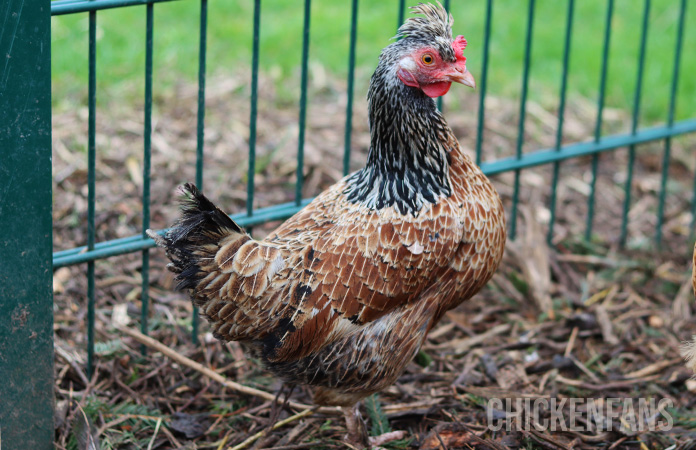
427	59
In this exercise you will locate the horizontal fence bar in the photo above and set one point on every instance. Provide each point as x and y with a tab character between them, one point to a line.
587	148
278	212
137	243
61	7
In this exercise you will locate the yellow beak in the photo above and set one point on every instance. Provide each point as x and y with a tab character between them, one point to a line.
464	77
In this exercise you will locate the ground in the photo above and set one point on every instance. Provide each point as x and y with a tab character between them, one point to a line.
576	319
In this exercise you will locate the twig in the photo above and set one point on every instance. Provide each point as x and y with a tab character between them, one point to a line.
617	443
86	438
439	438
441	331
494	392
377	441
605	386
403	407
122	418
171	438
181	359
543	440
86	392
224	440
154	435
571	342
652	368
599	261
606	326
296	446
253	438
463	345
582	367
60	351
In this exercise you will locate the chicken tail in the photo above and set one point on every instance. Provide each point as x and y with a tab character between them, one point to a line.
194	239
225	271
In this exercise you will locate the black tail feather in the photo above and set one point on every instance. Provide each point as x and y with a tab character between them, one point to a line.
200	215
201	223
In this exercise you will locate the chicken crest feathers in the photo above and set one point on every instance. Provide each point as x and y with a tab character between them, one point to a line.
433	22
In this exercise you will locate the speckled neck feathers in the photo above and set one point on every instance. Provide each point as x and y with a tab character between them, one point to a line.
408	160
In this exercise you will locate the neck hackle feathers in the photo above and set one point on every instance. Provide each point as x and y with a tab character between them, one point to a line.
408	160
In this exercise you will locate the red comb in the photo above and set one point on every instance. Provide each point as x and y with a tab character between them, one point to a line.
459	45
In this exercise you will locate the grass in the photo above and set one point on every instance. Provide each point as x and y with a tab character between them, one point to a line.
121	35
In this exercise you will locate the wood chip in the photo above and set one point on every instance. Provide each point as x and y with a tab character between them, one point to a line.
606	326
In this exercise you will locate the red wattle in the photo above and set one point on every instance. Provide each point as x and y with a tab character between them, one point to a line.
436	89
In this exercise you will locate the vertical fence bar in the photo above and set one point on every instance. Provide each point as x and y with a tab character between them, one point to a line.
26	298
303	104
483	82
440	99
598	124
147	153
561	116
350	93
693	210
670	122
200	122
200	127
91	168
253	111
634	124
400	16
523	111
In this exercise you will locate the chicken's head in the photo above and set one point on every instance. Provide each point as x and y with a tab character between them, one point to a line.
429	59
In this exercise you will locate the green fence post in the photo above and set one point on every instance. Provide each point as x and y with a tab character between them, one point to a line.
26	299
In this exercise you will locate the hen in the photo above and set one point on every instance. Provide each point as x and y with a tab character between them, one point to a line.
342	295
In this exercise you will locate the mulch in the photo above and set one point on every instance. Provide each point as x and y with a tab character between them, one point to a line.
577	319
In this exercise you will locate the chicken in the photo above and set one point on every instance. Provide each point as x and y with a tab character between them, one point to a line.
688	350
342	295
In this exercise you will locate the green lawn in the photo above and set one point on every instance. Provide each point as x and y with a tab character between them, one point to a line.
121	47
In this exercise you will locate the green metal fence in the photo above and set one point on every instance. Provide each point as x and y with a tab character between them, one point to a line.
29	186
26	297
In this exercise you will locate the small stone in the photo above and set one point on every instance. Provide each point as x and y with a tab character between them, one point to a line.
656	321
691	385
